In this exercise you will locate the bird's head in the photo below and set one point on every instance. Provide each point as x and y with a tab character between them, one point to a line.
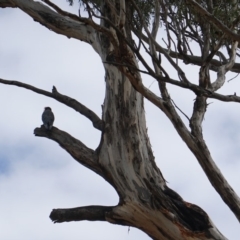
48	108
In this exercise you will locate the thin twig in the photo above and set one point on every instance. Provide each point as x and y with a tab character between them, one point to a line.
233	78
180	109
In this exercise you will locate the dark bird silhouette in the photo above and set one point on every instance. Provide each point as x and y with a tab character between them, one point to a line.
48	118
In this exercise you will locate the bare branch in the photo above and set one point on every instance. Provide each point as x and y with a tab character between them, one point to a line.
224	69
7	3
87	21
206	40
175	210
202	153
73	146
61	22
199	110
96	121
59	10
189	59
233	78
216	178
153	53
195	88
180	110
90	213
167	55
156	20
194	141
122	16
199	90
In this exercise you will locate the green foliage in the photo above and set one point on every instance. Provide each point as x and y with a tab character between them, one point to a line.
146	7
147	11
179	16
227	12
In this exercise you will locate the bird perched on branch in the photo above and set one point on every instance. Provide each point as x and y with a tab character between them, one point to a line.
48	118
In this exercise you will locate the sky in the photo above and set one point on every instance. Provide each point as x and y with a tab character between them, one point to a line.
37	175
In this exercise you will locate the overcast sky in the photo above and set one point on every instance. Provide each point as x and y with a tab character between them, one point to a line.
36	175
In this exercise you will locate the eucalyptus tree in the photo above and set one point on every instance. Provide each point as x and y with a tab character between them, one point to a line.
122	33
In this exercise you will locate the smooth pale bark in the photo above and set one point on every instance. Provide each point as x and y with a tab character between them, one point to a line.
124	156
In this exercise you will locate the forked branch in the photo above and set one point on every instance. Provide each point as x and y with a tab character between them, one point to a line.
96	121
193	140
225	68
69	25
86	21
73	146
190	59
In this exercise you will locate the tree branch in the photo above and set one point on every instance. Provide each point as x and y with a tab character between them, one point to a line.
197	146
122	15
193	141
189	59
96	121
224	69
7	3
87	21
152	42
62	12
90	213
214	175
82	29
73	146
199	90
157	101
